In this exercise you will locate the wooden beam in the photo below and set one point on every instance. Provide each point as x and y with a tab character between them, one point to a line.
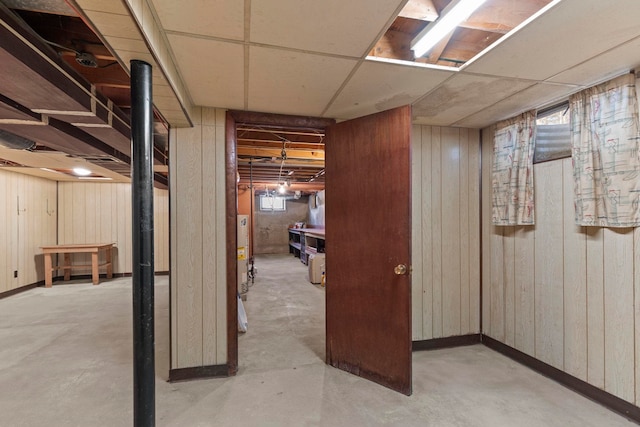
423	10
395	45
280	120
292	153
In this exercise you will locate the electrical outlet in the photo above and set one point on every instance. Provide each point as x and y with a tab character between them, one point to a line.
15	274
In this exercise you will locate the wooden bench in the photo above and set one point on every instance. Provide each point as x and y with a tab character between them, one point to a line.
67	250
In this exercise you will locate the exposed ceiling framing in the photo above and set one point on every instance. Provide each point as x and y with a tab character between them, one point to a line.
67	92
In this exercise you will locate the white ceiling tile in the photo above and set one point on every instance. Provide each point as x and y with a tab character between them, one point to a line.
213	71
603	67
127	45
344	27
378	86
569	33
114	25
162	90
462	96
289	82
534	97
116	7
214	18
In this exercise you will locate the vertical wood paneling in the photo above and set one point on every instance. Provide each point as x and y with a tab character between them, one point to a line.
464	234
450	220
105	209
417	282
549	264
209	247
427	206
173	250
23	233
619	313
509	279
524	252
575	284
474	231
65	212
595	305
446	232
115	227
14	221
198	244
220	230
128	259
24	198
496	285
636	293
123	231
436	229
189	240
577	303
487	231
4	232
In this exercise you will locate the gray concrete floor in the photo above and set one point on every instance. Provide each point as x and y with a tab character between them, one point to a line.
65	360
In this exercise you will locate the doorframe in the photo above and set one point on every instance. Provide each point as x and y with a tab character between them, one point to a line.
233	117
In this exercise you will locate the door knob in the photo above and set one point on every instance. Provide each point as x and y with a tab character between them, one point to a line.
400	269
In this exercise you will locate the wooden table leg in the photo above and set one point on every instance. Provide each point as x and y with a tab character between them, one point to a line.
95	275
109	264
67	266
48	271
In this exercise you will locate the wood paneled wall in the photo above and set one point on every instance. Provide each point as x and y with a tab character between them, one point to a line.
564	294
28	215
92	212
446	232
198	242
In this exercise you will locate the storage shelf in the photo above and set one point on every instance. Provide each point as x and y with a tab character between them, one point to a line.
306	241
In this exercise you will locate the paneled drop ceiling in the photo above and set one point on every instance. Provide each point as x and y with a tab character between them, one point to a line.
343	59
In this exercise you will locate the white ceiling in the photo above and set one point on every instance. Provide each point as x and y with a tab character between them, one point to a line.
309	57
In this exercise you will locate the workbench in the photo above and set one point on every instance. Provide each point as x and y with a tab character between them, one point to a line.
92	248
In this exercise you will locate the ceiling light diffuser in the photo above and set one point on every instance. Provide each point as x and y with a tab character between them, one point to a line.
81	171
451	16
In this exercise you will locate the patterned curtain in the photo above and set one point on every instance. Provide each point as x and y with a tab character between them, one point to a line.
606	163
512	173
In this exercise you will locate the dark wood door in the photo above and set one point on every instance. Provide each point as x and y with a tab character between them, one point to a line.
368	232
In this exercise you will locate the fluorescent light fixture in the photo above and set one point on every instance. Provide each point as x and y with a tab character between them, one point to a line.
451	16
96	178
81	171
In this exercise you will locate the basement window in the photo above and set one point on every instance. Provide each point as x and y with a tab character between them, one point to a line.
272	203
553	134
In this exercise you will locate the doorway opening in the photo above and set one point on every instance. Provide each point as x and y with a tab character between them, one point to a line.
368	311
278	165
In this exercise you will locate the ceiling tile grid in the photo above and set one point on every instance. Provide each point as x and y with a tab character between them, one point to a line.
603	67
531	98
463	95
560	38
213	18
381	85
336	27
213	71
291	82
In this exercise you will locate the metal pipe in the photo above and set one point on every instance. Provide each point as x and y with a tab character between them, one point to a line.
143	264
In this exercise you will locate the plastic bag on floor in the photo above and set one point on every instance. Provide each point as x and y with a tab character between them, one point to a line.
242	316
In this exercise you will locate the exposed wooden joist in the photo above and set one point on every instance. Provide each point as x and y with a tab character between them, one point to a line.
291	153
280	120
423	10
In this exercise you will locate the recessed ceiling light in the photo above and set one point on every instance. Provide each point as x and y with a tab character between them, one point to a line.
81	171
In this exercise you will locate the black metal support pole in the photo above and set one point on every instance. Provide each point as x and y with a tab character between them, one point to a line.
144	394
